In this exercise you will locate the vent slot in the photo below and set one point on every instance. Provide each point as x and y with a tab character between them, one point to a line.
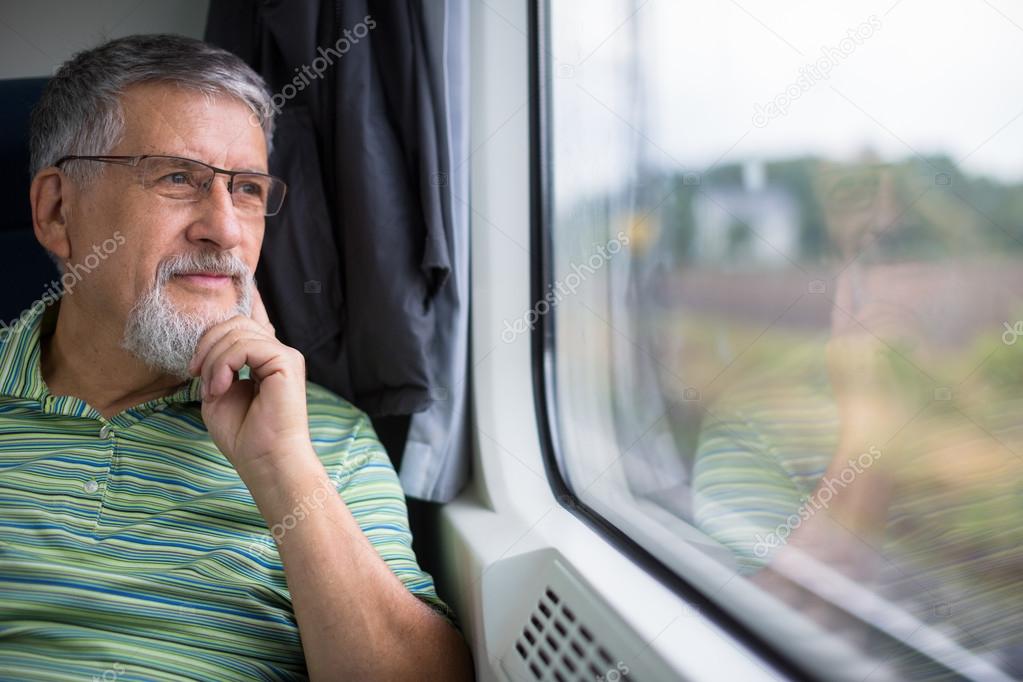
555	645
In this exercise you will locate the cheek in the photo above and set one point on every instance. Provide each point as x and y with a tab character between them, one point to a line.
251	250
105	225
144	236
122	255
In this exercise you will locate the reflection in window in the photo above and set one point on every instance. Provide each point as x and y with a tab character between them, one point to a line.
788	247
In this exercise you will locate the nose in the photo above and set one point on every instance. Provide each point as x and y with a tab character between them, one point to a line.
216	220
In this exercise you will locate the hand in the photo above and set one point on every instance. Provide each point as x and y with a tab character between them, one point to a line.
874	341
256	422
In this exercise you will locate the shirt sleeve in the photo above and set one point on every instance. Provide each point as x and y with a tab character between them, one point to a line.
743	497
364	477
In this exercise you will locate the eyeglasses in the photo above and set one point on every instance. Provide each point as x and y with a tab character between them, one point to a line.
190	180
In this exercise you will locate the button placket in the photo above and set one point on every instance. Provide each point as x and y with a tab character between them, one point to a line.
93	485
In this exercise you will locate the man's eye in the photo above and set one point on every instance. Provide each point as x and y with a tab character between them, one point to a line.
179	178
252	188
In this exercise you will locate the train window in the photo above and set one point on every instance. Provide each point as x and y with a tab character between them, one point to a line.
785	300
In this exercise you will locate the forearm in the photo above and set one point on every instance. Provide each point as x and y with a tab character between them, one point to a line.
355	617
848	508
842	525
862	490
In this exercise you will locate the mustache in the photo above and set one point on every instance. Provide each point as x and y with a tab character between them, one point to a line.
217	262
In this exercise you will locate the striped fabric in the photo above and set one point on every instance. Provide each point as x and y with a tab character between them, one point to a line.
953	545
130	549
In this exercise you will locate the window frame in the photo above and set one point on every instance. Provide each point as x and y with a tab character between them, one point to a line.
542	352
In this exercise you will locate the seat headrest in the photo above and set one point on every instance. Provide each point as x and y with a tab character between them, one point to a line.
27	272
17	97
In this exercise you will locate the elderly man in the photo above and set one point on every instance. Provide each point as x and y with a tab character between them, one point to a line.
176	500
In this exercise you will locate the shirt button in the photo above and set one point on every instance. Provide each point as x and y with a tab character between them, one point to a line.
91	486
105	431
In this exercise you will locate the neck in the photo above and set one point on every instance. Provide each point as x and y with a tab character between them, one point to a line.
83	358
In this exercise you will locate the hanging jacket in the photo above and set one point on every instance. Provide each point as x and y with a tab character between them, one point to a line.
352	265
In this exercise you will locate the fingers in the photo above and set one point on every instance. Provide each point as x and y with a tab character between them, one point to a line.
219	370
264	355
217	332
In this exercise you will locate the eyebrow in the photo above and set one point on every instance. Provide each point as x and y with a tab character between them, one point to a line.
195	156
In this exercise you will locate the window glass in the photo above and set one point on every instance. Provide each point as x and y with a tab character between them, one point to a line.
787	298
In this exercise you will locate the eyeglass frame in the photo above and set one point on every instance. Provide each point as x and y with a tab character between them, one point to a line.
134	161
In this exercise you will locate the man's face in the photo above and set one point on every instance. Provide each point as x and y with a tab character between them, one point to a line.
157	230
859	201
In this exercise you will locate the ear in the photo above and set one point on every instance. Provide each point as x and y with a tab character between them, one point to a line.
50	194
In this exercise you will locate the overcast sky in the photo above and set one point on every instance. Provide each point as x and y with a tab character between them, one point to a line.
934	76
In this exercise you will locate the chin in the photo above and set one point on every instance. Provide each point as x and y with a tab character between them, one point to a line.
210	307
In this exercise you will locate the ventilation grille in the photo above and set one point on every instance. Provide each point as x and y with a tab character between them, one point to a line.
555	646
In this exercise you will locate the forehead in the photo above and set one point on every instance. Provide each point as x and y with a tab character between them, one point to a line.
167	118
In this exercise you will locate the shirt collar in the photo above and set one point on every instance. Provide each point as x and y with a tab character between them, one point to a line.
20	376
20	373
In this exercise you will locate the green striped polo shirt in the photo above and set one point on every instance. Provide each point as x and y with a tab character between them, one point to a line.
954	537
131	550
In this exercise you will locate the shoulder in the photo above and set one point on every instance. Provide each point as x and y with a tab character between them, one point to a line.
329	412
331	417
340	431
322	399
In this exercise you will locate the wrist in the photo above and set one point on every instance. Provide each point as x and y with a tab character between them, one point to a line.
284	467
863	426
292	495
857	484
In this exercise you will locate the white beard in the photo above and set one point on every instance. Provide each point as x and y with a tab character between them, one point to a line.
165	338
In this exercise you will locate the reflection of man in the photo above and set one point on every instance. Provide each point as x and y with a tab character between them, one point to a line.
839	450
153	430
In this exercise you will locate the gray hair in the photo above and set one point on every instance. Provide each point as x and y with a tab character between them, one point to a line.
80	110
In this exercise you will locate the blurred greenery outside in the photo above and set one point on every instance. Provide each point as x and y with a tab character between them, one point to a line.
734	350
